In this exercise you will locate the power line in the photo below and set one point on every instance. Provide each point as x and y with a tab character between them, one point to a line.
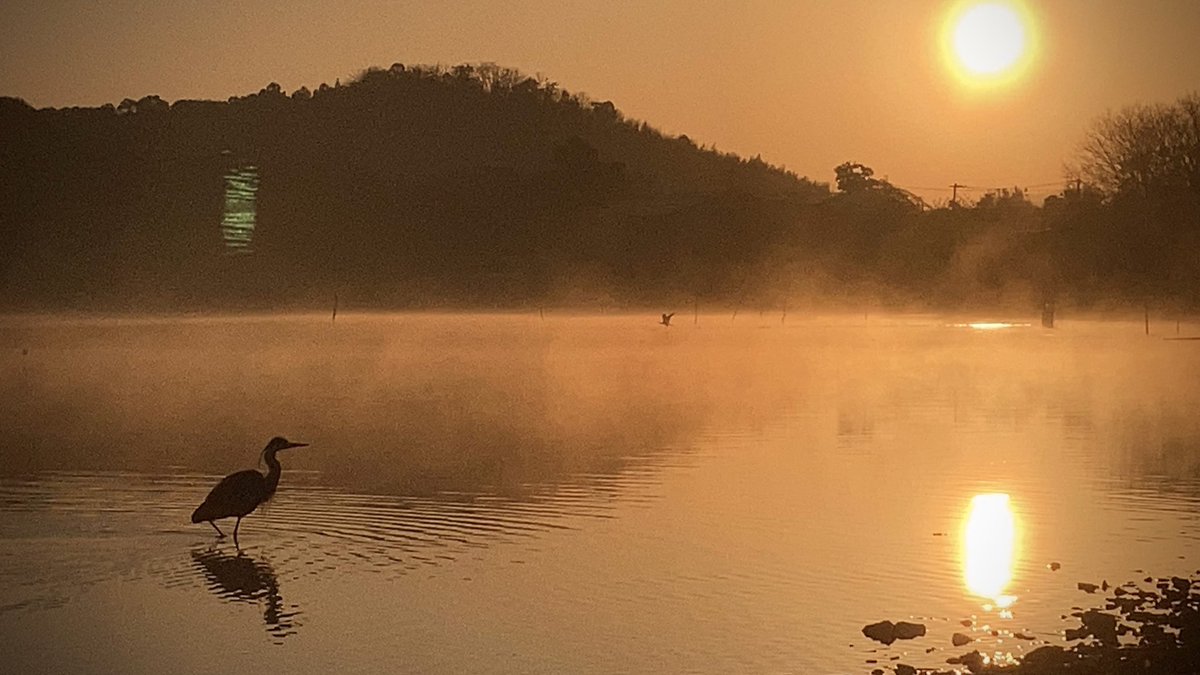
972	188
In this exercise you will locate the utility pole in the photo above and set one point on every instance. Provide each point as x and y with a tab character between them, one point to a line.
954	195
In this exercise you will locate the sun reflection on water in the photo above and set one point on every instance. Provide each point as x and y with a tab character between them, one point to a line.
990	325
989	548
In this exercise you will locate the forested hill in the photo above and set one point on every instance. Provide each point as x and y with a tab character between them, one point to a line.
411	186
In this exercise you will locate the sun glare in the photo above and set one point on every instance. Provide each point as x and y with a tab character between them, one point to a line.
989	547
987	43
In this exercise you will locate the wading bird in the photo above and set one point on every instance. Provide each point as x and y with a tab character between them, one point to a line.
240	493
666	320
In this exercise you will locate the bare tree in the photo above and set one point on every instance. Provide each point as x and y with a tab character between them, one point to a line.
1145	150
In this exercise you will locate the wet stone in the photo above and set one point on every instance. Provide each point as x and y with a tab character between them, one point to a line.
888	632
883	631
908	631
1076	633
1050	656
960	639
1102	626
972	660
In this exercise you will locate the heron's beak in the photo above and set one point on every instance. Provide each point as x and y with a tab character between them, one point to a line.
294	445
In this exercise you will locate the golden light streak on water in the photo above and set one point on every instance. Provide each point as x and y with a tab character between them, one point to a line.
991	325
989	548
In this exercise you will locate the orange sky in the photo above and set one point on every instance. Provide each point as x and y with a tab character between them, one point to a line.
805	84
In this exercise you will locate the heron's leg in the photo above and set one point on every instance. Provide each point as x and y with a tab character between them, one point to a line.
235	530
219	532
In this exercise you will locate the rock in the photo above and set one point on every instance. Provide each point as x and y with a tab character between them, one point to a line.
1182	585
877	671
907	631
973	660
1102	626
1054	566
905	669
967	622
1024	636
1087	588
1050	656
1076	633
884	631
1127	605
960	639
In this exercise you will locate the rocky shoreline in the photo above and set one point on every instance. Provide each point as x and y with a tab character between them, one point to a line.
1150	627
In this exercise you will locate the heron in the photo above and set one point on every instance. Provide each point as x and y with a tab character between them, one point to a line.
240	493
666	319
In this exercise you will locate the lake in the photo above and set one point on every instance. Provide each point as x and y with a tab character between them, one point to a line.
577	494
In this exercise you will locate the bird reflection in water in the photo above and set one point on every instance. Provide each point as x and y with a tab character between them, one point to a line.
241	578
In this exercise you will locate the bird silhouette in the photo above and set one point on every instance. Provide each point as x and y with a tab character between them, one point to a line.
666	319
240	493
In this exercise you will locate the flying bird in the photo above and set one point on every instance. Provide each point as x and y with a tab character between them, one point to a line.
666	319
240	493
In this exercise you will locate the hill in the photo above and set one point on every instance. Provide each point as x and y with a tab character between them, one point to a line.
411	186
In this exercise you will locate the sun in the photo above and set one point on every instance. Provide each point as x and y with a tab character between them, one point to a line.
988	43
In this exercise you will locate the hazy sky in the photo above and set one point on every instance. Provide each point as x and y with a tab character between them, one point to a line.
806	84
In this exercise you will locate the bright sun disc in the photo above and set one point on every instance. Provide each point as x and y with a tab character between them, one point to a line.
988	42
989	39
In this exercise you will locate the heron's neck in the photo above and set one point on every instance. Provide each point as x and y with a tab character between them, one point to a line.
273	470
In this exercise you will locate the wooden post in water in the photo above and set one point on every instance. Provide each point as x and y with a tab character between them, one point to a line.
1146	316
695	311
335	304
783	318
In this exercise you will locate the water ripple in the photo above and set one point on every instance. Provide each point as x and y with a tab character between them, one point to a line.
309	528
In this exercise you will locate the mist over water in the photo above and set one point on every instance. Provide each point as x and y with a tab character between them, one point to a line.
503	493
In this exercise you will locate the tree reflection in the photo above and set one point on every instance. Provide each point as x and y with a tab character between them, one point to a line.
241	578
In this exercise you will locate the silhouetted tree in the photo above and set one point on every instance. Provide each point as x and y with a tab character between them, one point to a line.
852	177
1145	150
1005	199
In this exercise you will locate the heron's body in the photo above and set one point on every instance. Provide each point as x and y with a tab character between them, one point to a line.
238	494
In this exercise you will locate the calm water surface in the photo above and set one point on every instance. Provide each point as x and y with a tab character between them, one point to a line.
580	494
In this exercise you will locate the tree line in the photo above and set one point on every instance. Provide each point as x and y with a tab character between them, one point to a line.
479	186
